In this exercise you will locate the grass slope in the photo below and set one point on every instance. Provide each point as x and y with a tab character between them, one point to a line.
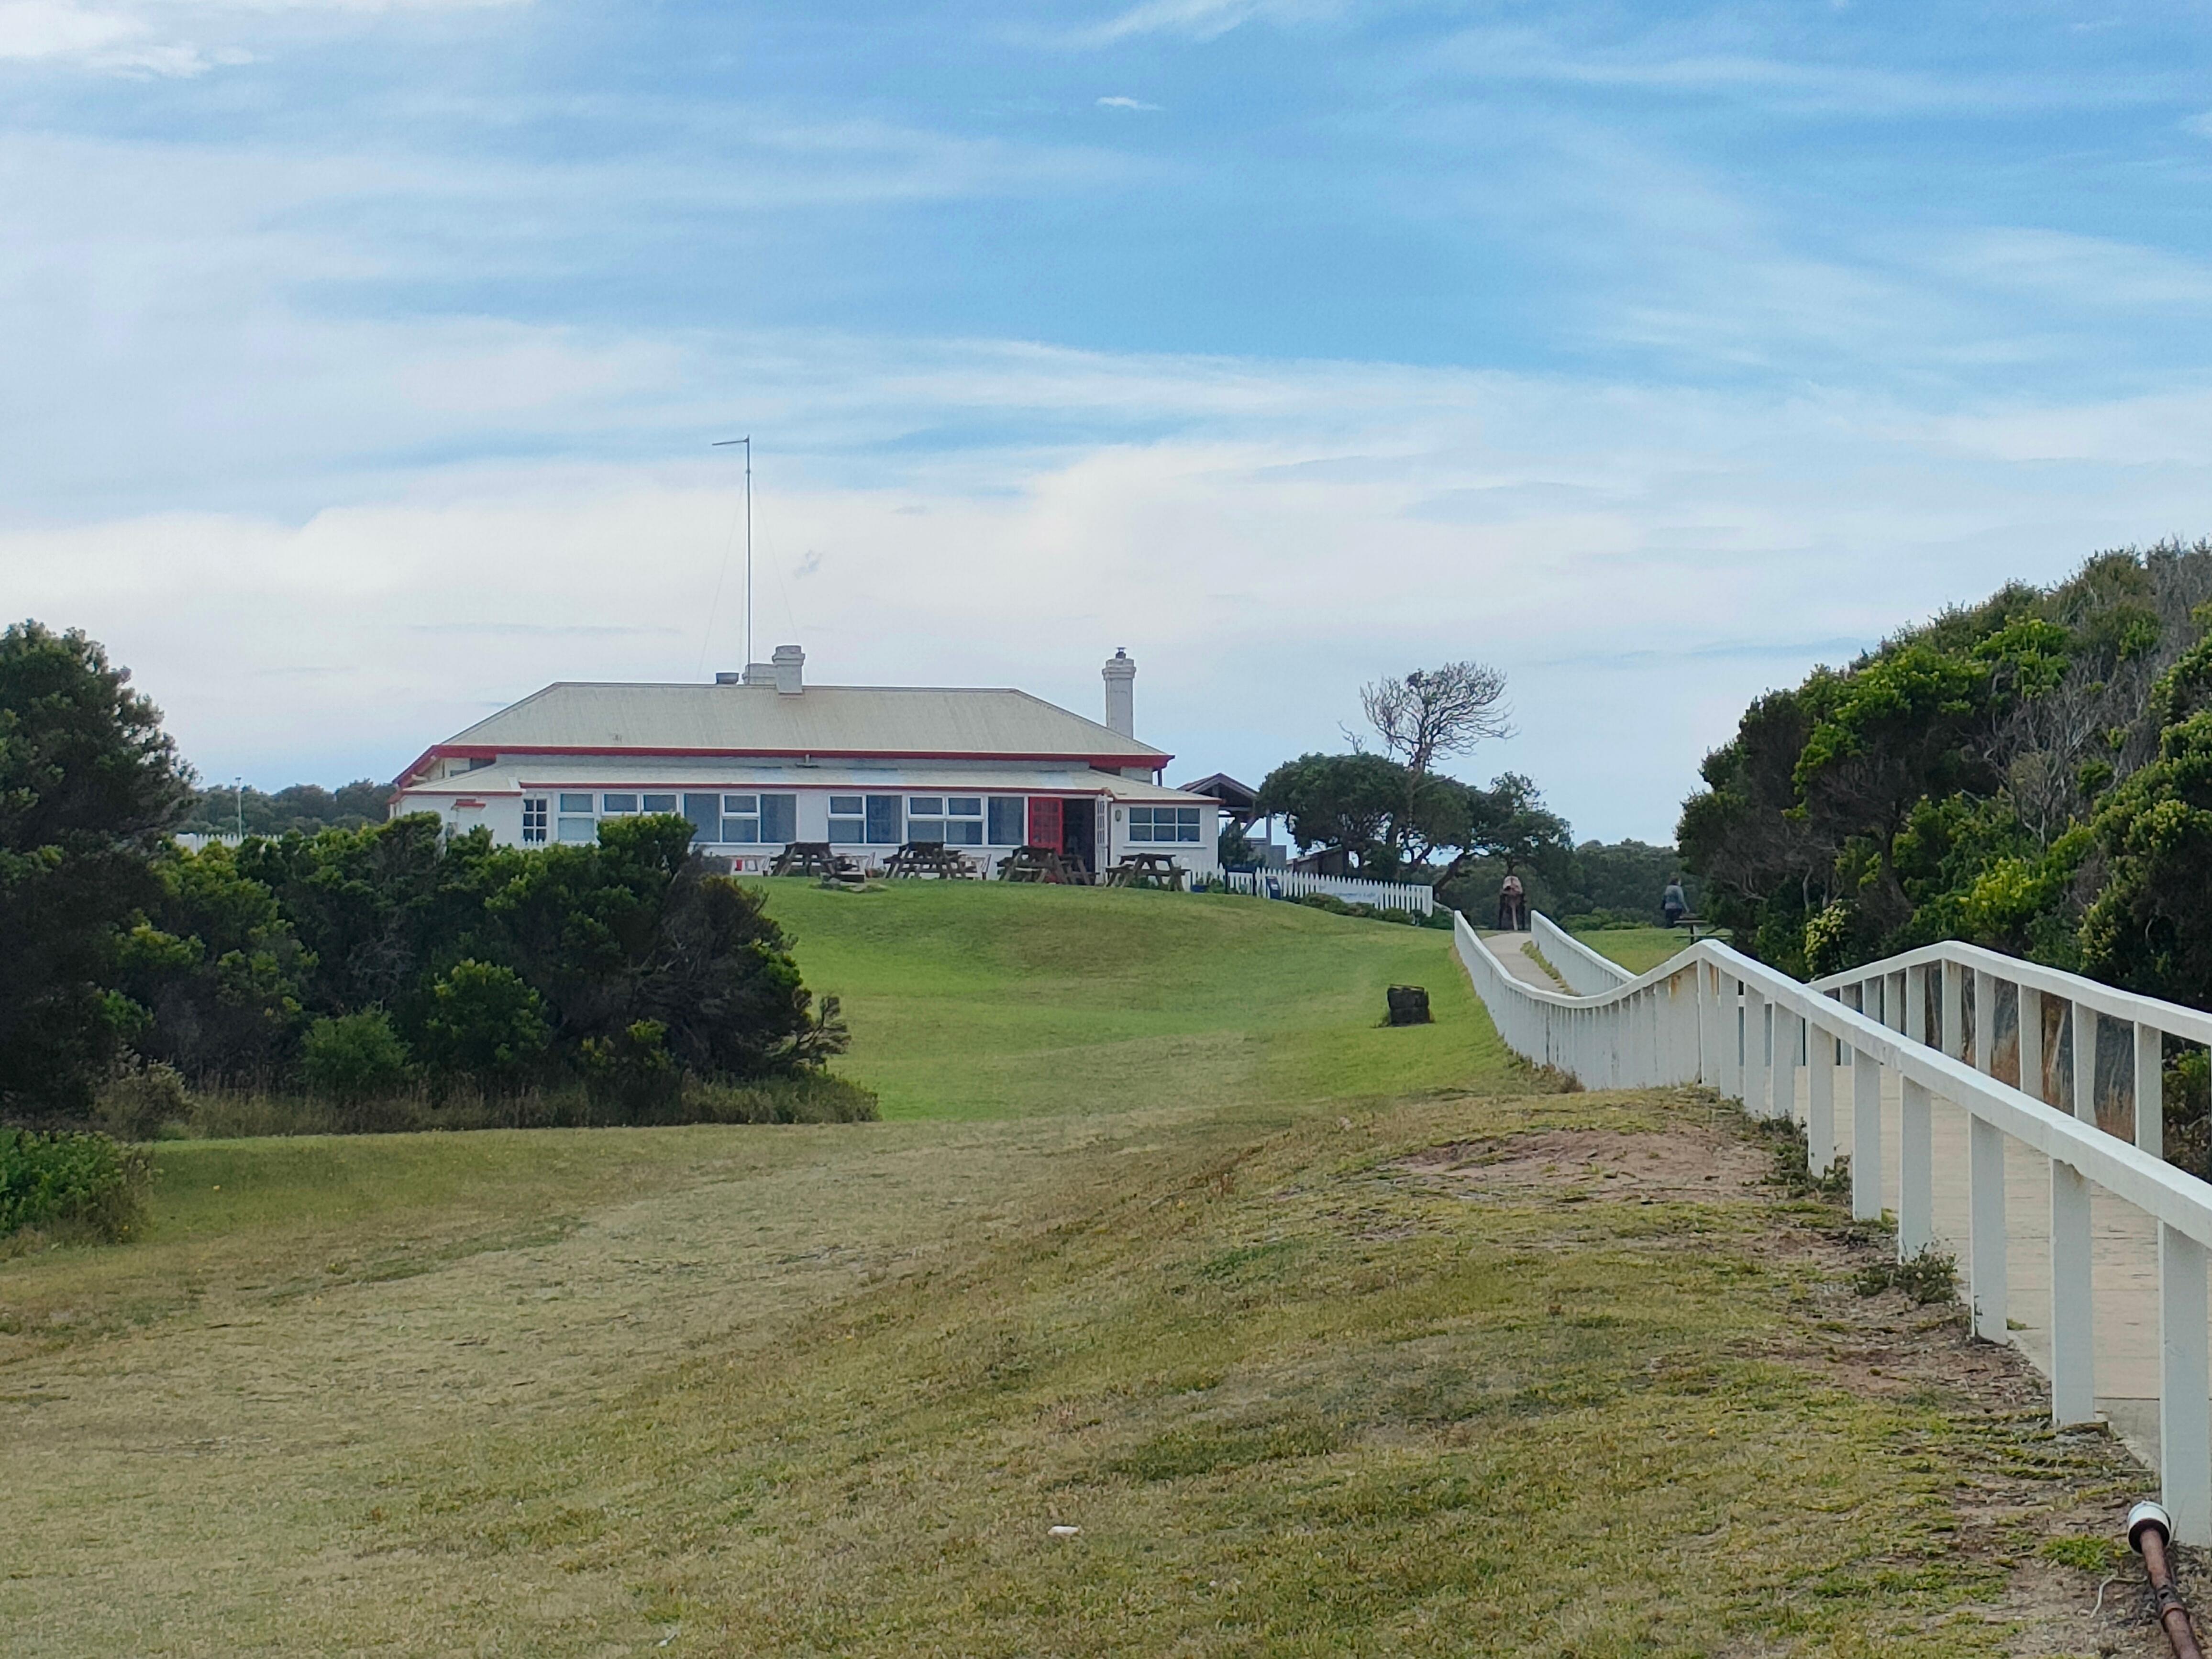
977	1001
818	1390
1639	950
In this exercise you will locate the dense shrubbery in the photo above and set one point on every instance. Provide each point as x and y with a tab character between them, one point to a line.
386	969
67	1183
361	964
2034	773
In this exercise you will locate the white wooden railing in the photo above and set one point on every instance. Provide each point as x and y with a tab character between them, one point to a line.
1711	1015
1585	971
1296	884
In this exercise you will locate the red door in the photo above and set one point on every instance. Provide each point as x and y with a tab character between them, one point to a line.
1044	821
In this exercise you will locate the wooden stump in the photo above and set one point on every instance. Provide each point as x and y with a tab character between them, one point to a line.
1409	1005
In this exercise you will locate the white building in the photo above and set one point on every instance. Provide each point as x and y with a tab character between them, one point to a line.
760	760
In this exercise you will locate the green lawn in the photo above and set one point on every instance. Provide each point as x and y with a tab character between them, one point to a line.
1636	949
980	1000
1329	1338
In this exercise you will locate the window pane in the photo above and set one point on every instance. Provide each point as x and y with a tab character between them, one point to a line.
1006	821
660	802
743	803
883	820
779	816
575	803
963	807
924	829
964	832
579	830
845	806
618	803
926	806
705	812
742	831
848	829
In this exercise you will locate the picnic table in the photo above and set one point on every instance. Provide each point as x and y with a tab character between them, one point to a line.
930	858
1158	870
1040	863
815	858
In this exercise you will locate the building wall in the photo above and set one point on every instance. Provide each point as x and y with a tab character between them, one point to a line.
1113	832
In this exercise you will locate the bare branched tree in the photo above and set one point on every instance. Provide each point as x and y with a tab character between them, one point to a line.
1433	712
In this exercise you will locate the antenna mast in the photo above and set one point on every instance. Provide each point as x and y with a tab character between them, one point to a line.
726	443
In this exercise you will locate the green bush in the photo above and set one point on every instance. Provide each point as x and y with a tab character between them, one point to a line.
87	1182
486	1023
811	1097
141	1101
631	1078
354	1058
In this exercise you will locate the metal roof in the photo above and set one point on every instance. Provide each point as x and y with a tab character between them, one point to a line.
822	720
515	774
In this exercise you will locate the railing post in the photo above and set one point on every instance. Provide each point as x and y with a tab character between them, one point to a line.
1706	1074
1821	1100
1916	1004
2085	1063
1985	1023
2031	1044
1954	1009
1792	1042
2150	1090
2072	1311
1866	1137
1986	1196
2184	1417
1757	1071
1916	1172
1731	1040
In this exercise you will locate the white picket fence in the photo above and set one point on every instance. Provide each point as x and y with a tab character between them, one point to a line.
1710	1015
1296	884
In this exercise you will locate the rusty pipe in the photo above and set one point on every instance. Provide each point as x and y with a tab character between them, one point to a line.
2149	1530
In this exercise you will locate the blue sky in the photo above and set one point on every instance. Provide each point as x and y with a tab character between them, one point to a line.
363	359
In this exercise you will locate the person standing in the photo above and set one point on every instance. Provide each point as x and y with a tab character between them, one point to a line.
1512	906
1672	904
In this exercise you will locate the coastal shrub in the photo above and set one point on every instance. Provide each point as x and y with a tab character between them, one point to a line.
142	1100
354	1058
71	1182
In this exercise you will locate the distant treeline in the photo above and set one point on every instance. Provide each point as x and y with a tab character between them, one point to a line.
301	809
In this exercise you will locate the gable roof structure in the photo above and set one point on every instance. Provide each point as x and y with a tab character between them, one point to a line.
573	717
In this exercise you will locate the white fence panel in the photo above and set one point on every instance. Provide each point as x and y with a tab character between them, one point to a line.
1585	971
1711	1015
1296	884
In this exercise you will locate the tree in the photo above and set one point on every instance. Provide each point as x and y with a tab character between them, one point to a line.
1431	714
88	785
1345	801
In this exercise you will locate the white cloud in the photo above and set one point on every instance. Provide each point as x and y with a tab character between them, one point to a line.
147	38
1199	19
1641	561
1118	101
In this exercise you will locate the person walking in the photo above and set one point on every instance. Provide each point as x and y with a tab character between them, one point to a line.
1672	904
1512	906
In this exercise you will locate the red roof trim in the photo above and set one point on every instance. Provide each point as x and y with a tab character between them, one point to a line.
475	751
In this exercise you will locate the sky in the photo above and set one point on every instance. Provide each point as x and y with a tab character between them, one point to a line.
362	363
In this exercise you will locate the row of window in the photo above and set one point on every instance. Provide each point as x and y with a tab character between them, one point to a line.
855	820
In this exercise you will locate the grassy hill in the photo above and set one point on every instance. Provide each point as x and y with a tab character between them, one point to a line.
979	1000
1328	1338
